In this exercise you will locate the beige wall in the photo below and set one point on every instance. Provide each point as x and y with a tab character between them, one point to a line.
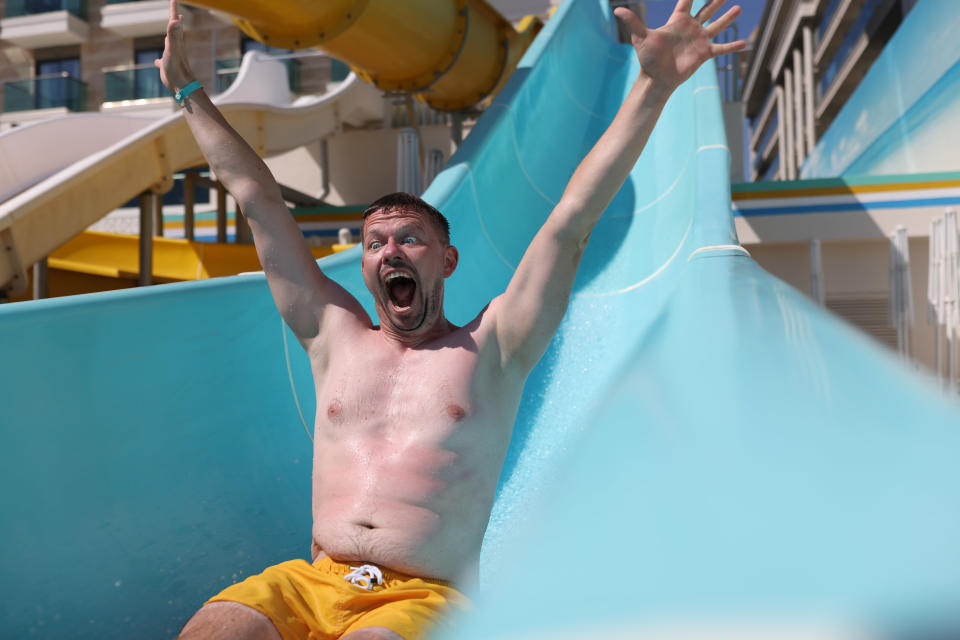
362	163
856	270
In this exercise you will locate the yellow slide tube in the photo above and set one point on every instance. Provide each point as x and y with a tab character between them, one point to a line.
450	53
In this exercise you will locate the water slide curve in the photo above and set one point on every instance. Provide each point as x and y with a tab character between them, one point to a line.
700	442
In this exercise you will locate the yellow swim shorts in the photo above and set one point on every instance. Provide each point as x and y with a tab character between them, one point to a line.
318	601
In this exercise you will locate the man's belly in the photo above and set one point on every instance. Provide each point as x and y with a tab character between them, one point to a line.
417	510
407	538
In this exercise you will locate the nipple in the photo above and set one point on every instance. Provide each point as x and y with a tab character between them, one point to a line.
456	412
335	411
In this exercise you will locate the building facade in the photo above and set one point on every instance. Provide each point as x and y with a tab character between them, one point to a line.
851	116
809	56
63	56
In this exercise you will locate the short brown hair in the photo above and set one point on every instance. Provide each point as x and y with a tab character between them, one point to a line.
409	202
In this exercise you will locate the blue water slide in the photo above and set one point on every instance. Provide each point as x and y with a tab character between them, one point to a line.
699	439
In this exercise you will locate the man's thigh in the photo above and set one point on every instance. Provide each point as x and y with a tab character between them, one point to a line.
223	620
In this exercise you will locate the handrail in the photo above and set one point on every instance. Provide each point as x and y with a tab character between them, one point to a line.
46	76
129	67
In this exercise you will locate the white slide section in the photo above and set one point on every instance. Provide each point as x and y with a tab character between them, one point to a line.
86	165
31	153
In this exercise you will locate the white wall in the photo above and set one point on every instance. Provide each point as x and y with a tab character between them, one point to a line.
362	163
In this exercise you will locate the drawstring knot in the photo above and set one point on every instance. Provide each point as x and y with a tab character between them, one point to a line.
365	576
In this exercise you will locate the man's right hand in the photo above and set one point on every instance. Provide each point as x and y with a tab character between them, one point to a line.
175	71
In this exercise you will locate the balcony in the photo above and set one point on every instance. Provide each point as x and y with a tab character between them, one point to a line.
843	61
33	24
45	92
137	18
135	82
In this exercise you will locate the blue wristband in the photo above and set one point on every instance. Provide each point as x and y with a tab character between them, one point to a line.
181	95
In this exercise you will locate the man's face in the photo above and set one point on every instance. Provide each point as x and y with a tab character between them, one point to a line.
405	261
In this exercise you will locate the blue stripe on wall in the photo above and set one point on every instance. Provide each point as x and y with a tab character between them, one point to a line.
847	206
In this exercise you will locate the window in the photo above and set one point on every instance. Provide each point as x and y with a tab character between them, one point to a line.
16	8
57	83
146	78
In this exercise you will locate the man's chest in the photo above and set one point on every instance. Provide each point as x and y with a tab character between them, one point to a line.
435	389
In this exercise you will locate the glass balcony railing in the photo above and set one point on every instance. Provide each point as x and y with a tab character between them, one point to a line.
228	68
338	70
772	172
137	82
768	133
45	92
827	17
846	46
16	8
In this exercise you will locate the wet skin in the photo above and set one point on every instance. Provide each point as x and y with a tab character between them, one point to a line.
413	416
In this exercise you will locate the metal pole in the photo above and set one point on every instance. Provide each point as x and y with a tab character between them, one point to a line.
781	135
808	93
221	212
798	108
817	289
189	185
936	288
415	124
146	239
41	287
952	292
456	129
158	215
894	298
951	373
788	116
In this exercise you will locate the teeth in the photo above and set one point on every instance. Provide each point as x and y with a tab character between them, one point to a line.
394	276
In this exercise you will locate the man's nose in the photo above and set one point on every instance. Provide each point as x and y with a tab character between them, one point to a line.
391	249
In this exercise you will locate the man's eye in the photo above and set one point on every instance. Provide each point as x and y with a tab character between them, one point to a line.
410	239
376	244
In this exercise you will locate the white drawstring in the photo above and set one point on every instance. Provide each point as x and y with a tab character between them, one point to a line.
365	576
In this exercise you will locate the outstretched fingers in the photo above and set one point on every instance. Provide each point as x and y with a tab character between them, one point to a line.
634	24
707	11
683	6
717	26
727	47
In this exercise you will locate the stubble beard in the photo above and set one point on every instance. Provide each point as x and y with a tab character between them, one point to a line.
430	303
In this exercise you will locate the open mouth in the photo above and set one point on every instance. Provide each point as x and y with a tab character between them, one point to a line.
401	289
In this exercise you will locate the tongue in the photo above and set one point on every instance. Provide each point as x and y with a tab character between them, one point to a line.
403	292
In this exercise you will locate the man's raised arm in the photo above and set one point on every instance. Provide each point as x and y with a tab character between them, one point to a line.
528	313
302	293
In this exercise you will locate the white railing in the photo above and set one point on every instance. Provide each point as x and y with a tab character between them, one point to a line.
943	291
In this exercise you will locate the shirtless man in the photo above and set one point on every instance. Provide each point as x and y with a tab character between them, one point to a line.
414	415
